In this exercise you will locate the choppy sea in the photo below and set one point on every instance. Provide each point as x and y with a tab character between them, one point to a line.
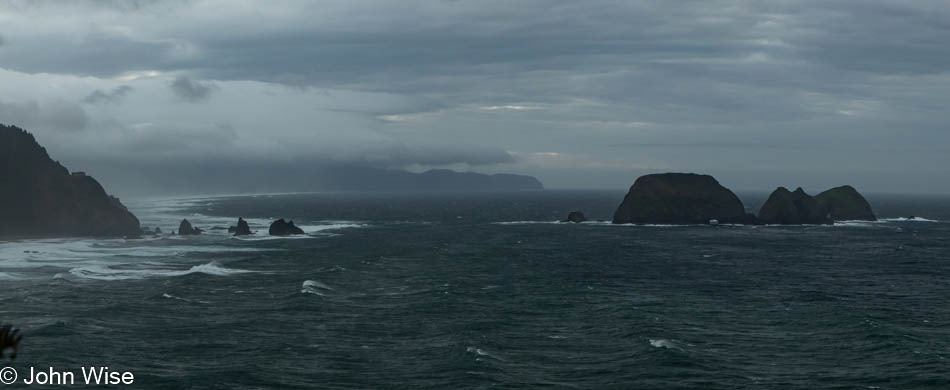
445	291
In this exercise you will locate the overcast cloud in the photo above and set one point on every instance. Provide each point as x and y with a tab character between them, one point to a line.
579	94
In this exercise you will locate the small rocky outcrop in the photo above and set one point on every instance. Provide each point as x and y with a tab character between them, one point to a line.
680	198
793	208
158	230
281	227
576	217
846	204
242	228
41	198
185	229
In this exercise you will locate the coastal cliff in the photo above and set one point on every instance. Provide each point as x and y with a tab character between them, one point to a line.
40	198
680	198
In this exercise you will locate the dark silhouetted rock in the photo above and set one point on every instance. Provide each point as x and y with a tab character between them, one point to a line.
281	227
9	342
576	217
680	198
185	229
846	204
242	228
793	208
158	230
40	198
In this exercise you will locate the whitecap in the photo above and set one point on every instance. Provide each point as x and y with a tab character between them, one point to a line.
177	298
99	272
664	343
525	222
314	287
905	219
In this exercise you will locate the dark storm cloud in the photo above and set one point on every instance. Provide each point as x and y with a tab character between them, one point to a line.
553	85
114	96
56	115
192	91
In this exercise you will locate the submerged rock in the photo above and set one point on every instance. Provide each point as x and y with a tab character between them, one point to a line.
41	198
793	208
846	204
242	228
185	229
576	217
281	227
680	198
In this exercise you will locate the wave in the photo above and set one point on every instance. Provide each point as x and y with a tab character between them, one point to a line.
106	273
599	223
664	343
481	352
314	287
525	222
71	252
905	219
10	276
177	298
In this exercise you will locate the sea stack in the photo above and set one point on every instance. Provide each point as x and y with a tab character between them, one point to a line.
576	217
185	229
793	208
281	227
242	228
846	204
40	198
680	198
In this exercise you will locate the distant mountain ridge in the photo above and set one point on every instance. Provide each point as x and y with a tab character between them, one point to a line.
224	177
39	197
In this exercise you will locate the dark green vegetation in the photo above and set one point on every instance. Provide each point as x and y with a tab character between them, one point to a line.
39	197
846	204
680	198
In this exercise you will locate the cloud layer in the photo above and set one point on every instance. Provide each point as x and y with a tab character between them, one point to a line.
761	93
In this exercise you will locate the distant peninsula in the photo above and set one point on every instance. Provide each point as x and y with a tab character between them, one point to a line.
212	178
688	198
40	198
376	179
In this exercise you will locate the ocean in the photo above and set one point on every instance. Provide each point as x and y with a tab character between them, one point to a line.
446	291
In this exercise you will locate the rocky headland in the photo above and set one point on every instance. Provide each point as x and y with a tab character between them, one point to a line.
41	198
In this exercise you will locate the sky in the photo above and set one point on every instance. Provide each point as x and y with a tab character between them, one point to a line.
590	94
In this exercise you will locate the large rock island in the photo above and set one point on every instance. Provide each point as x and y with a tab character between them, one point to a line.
40	198
846	204
680	198
793	208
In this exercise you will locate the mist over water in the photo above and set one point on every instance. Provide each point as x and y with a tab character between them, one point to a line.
482	290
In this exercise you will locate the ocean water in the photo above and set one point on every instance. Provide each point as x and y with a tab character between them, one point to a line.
448	291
